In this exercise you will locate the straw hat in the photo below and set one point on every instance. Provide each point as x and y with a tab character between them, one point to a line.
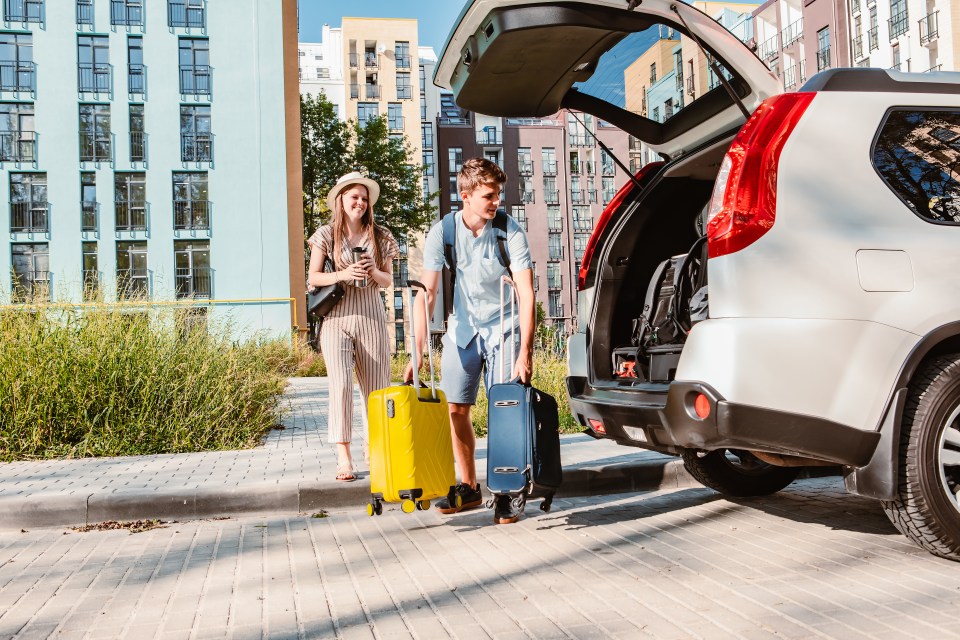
354	177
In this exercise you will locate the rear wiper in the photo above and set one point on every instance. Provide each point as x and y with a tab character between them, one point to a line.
610	153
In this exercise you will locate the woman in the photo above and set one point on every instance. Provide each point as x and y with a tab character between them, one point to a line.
353	336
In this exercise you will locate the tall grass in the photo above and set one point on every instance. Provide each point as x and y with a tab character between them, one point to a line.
107	382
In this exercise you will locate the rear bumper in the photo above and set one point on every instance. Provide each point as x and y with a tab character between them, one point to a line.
662	417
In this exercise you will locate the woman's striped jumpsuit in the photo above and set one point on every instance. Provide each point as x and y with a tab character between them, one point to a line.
354	337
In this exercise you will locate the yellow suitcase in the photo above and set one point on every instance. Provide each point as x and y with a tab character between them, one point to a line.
411	453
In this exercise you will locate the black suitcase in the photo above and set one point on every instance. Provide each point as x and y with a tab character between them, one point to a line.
523	437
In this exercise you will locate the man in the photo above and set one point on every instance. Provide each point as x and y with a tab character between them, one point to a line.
471	344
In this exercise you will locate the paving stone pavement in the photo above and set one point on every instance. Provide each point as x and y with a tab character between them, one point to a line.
809	562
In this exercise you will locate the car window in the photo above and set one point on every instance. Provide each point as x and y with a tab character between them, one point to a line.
654	73
917	154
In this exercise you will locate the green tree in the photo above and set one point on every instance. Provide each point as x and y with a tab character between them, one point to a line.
331	148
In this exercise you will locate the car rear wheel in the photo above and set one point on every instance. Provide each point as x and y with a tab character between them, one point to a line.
927	507
737	473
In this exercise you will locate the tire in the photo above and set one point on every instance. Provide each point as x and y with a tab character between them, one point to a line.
737	473
927	506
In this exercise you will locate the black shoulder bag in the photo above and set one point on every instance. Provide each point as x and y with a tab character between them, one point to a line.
322	300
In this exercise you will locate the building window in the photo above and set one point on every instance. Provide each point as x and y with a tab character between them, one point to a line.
554	219
196	139
916	155
367	111
132	275
551	194
455	158
580	245
395	116
91	271
138	135
136	73
426	135
89	207
31	272
192	262
398	306
400	274
428	162
823	49
130	201
126	13
28	203
555	246
186	13
23	10
548	157
399	342
554	278
525	161
402	52
195	66
404	88
95	135
323	73
609	190
555	306
370	59
18	136
519	213
84	12
93	67
582	218
653	72
656	114
899	22
191	204
16	62
607	167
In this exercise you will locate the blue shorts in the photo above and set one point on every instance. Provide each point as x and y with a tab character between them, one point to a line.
460	368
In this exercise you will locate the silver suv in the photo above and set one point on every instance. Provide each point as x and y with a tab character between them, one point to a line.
819	321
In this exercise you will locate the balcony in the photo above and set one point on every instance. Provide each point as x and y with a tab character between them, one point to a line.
555	283
17	76
29	217
403	62
557	311
196	147
133	284
583	196
635	144
181	15
551	196
124	14
30	286
793	76
18	146
136	79
527	197
23	10
898	25
371	92
89	216
873	39
929	30
370	60
459	122
823	59
556	252
490	137
792	32
396	123
585	224
578	140
85	13
194	283
769	49
191	215
95	148
525	167
404	92
555	224
353	60
608	169
354	91
934	68
138	146
550	168
94	77
195	79
131	216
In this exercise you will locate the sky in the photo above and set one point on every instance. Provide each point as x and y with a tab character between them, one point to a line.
435	18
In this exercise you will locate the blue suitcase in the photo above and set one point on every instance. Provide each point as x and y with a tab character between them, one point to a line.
523	435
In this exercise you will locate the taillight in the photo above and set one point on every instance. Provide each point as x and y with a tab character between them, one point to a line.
604	220
744	202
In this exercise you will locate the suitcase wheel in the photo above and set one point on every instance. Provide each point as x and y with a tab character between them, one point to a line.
423	505
408	506
374	508
370	509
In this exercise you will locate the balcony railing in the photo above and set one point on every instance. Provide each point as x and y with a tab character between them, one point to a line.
446	120
404	92
196	147
195	283
191	215
769	48
371	91
490	137
29	217
89	216
353	60
555	224
608	169
898	25
791	77
84	13
123	14
577	140
586	224
370	61
792	32
858	47
929	28
18	146
133	284
936	67
31	286
550	168
195	79
557	311
873	39
403	62
823	59
354	91
551	196
181	15
556	253
136	79
608	195
131	216
17	76
526	197
525	167
583	196
855	5
138	146
94	77
23	10
396	123
94	148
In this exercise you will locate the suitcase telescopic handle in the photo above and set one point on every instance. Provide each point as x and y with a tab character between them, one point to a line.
506	283
414	285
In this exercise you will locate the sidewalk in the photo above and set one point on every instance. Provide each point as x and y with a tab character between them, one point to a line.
292	471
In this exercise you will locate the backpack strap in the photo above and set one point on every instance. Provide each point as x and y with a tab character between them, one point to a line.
449	228
646	317
500	230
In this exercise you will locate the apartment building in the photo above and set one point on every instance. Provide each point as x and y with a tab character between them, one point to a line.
145	149
906	35
321	68
559	180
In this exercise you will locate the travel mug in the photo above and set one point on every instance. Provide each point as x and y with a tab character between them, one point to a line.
357	257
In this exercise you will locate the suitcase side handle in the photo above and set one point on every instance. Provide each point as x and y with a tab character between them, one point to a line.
414	285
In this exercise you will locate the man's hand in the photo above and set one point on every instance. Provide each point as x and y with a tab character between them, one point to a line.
524	367
408	372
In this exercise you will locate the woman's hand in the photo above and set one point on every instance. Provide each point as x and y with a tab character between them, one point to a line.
367	264
355	271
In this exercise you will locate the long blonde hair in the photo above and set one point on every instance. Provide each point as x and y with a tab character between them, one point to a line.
368	226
